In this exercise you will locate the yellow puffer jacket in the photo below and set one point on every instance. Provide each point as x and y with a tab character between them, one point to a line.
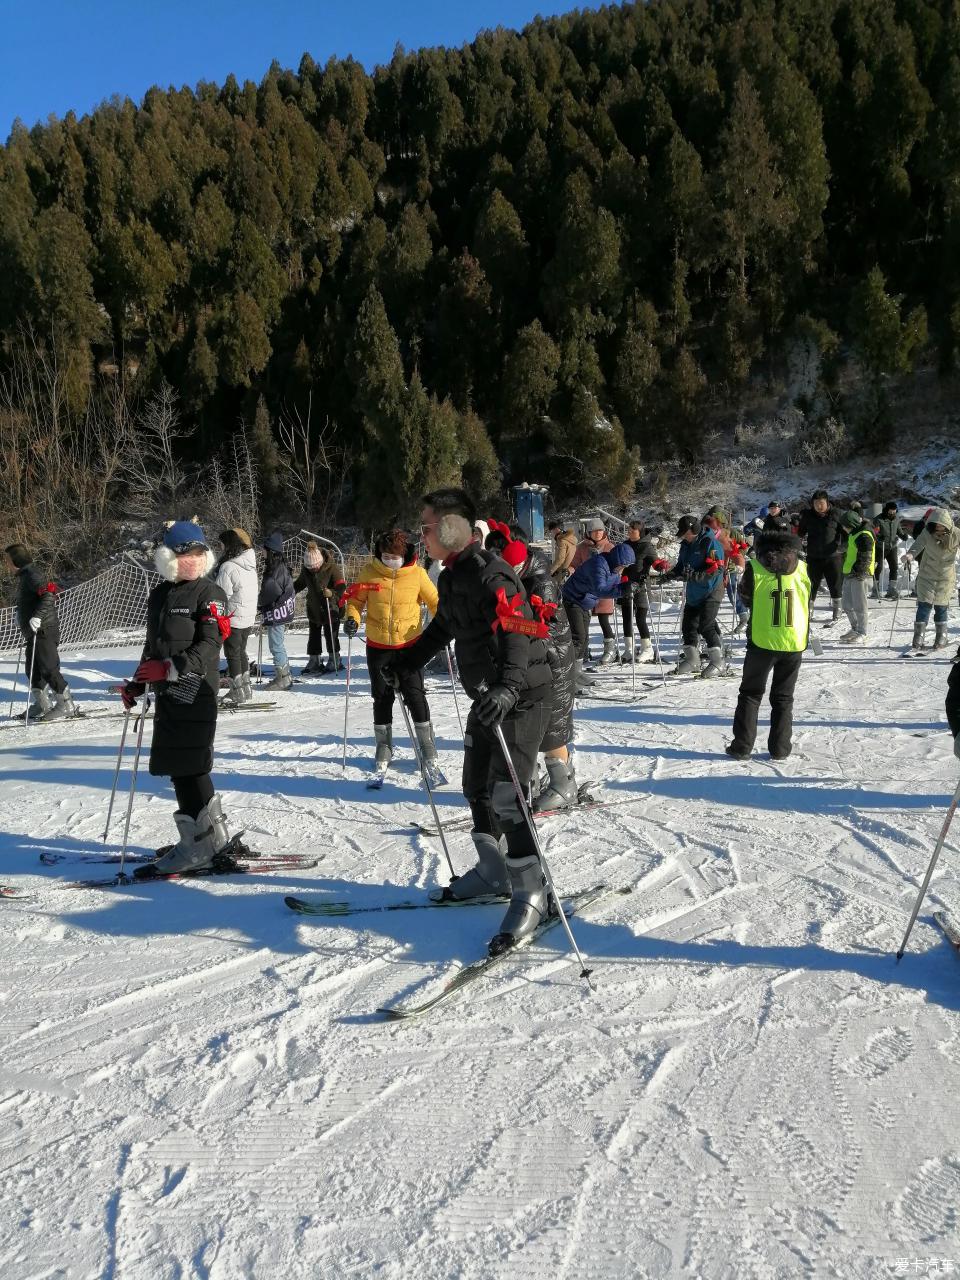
393	611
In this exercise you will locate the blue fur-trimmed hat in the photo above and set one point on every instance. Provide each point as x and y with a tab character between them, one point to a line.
183	536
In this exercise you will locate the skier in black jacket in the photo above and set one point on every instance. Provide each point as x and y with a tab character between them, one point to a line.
533	569
483	609
186	623
40	628
820	525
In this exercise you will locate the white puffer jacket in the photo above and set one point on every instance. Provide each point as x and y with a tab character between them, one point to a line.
238	580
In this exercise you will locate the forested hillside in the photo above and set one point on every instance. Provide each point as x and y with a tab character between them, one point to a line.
561	248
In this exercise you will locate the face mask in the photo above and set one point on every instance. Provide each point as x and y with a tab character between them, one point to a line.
393	562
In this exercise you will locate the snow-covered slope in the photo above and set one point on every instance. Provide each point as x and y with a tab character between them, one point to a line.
194	1082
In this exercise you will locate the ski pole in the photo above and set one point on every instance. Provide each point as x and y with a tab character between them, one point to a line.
16	680
453	686
116	772
33	659
896	606
933	862
426	781
333	656
635	628
260	654
663	677
346	701
531	827
121	877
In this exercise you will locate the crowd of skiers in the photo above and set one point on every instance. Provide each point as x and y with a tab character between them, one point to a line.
515	619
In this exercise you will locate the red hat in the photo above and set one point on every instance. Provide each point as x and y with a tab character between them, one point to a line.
514	552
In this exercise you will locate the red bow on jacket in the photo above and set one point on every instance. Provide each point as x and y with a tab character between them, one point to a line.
355	590
50	589
221	619
510	617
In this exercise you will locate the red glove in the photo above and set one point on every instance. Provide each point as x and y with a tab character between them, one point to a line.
150	671
661	566
130	692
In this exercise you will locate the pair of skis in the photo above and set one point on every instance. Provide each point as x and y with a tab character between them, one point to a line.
574	904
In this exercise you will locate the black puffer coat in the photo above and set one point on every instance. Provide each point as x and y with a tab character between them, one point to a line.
180	626
644	555
822	532
36	600
538	581
466	614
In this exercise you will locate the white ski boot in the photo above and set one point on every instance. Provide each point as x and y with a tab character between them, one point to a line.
282	679
64	708
940	640
609	655
646	653
201	839
235	697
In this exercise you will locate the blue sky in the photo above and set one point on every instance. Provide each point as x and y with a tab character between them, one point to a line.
62	55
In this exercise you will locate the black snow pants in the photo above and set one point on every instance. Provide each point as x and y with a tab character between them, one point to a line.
757	666
42	658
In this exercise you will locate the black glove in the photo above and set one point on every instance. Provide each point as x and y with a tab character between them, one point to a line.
351	627
493	704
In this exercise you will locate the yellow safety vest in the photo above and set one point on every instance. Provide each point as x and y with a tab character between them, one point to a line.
850	559
780	612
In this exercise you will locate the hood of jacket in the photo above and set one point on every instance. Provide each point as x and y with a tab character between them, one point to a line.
779	552
620	555
939	515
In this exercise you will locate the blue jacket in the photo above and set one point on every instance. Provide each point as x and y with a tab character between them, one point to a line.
693	557
598	578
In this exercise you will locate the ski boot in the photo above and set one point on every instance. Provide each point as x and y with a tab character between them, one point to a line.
581	679
940	640
65	709
530	903
428	754
609	655
875	593
41	705
561	789
689	664
628	657
236	697
916	644
282	679
853	637
836	606
200	843
314	666
714	664
332	665
646	653
738	751
247	686
488	876
891	593
742	621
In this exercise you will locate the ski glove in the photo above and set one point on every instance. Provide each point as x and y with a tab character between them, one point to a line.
351	627
130	692
35	624
493	704
151	671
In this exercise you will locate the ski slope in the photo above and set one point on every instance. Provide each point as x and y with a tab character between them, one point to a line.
194	1082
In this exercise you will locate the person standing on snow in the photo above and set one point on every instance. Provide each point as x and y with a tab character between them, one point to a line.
532	566
320	577
635	603
391	588
40	628
277	603
776	588
186	620
888	532
596	540
601	576
700	566
820	526
236	577
936	550
506	673
859	563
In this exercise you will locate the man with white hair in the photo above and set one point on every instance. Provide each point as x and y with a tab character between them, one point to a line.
483	609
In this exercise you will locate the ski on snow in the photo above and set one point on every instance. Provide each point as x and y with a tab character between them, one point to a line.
260	866
304	908
13	893
464	824
950	926
573	905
